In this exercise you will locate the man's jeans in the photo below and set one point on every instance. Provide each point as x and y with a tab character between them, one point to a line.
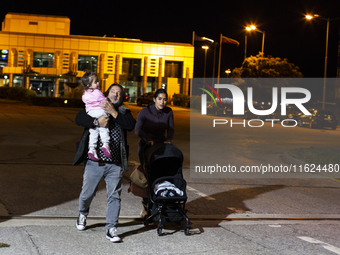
113	176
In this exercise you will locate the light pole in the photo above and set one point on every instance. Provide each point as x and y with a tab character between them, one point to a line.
245	47
227	72
316	16
205	60
252	27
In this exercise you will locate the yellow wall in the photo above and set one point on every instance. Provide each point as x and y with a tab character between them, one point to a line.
51	35
37	24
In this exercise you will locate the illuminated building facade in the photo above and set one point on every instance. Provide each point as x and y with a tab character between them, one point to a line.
38	52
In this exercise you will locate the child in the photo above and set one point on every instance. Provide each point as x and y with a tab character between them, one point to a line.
92	98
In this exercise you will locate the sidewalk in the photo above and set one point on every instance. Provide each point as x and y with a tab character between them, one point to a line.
60	236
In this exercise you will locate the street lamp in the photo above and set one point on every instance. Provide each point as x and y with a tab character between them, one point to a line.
252	27
227	72
205	60
316	16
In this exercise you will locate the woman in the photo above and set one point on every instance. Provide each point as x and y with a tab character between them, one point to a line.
153	121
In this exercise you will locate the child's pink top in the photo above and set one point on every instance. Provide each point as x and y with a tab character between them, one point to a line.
92	99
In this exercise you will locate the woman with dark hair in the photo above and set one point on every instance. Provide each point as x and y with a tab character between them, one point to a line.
154	121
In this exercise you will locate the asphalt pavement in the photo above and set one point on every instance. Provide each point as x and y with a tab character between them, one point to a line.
39	191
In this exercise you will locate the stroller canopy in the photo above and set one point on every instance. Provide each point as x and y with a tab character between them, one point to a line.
164	159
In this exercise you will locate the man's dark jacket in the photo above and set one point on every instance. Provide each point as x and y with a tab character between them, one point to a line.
126	123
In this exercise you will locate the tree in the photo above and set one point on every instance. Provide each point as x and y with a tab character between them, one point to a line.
266	67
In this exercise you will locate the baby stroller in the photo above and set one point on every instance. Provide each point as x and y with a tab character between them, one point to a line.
163	165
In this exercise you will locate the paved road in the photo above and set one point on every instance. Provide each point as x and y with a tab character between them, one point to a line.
39	190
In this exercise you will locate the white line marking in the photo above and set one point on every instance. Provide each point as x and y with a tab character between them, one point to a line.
324	245
200	193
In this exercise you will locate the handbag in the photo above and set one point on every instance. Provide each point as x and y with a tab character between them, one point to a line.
138	177
138	191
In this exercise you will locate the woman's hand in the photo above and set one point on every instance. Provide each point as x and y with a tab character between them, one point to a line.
109	108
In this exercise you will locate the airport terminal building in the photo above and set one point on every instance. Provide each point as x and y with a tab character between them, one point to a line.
38	52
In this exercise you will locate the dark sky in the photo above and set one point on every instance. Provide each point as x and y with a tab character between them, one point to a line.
288	34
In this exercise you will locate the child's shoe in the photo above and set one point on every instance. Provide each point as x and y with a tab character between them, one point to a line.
93	155
106	150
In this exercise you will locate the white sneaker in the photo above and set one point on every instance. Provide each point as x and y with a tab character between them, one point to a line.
111	234
81	222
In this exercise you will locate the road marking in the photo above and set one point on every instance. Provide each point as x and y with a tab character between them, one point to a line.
200	193
324	245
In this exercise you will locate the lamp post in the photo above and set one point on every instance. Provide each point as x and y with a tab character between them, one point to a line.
252	27
205	60
227	72
316	16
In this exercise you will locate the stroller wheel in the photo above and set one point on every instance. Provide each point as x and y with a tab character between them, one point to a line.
159	231
186	231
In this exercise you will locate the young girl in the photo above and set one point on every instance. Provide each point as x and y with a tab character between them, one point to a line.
92	98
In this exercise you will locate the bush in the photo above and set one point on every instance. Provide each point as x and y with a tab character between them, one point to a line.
17	93
4	92
195	102
180	100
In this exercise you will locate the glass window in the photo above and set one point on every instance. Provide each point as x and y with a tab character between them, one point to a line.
131	68
41	59
173	69
87	63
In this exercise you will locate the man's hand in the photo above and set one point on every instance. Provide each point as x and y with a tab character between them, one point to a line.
109	108
103	121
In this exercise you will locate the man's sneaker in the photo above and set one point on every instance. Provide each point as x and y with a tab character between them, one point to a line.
111	234
106	150
93	155
81	222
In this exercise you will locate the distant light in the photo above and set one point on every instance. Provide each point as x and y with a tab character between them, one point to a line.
309	17
252	27
6	77
205	47
65	102
248	28
208	39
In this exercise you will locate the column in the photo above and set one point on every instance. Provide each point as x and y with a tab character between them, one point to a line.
145	74
117	69
160	69
10	80
56	87
101	71
186	83
27	81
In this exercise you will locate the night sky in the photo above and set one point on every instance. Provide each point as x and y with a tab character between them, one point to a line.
288	34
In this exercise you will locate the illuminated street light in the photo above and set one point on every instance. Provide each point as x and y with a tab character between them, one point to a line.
316	16
252	27
205	60
227	72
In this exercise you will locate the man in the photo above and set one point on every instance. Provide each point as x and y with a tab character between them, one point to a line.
119	121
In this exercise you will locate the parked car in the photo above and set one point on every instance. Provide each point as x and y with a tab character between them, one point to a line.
319	119
218	110
292	112
147	98
248	115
